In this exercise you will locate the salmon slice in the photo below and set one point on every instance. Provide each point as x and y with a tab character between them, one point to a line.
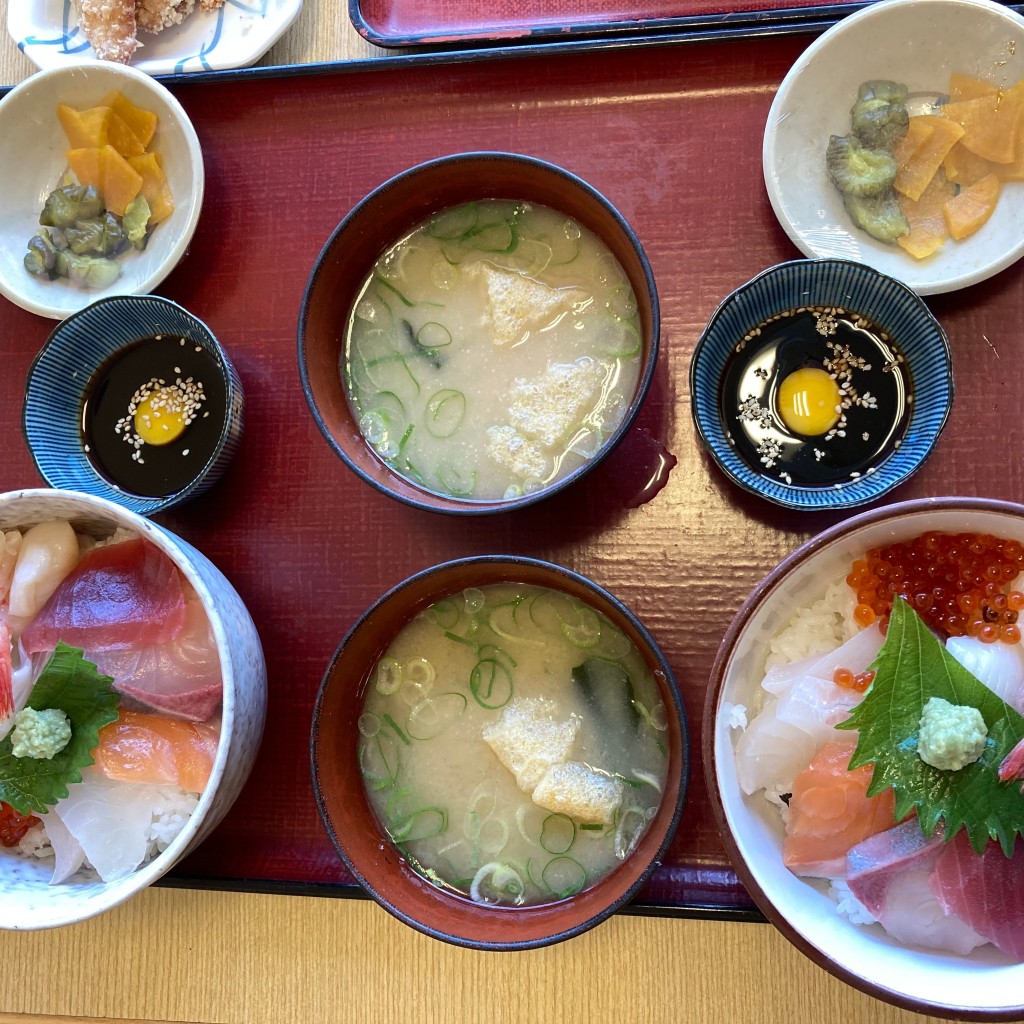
157	750
830	812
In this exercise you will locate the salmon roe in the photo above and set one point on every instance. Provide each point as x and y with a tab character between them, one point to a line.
957	582
859	682
14	825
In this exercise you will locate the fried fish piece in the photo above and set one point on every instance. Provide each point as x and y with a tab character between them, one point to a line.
210	5
109	25
155	15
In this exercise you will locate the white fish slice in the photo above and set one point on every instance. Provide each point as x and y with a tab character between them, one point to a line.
112	821
68	853
999	666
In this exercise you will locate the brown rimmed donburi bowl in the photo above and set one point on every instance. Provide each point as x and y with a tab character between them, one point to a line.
387	215
984	985
350	822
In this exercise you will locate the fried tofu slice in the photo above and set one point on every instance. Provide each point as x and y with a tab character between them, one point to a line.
109	25
518	305
527	739
576	790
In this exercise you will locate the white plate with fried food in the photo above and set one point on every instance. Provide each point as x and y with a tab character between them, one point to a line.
159	37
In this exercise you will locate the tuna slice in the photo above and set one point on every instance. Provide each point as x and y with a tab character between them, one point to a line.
180	677
889	873
830	812
157	750
113	822
117	596
986	890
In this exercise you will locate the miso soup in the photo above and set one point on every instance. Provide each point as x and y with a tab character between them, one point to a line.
492	351
513	744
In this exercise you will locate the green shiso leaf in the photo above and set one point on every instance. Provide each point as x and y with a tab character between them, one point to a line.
74	685
911	667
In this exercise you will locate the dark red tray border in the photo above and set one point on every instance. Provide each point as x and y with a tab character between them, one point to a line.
741	23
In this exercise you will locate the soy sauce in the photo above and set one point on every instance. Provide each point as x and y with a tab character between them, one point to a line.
149	470
877	397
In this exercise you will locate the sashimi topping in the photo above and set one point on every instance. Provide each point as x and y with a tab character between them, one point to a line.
119	595
1013	764
71	684
152	749
986	889
912	667
6	674
873	865
181	677
830	812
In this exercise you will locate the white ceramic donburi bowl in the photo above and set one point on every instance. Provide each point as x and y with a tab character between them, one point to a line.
918	43
980	986
29	901
32	161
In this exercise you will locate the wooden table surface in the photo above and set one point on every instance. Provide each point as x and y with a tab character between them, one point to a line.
181	955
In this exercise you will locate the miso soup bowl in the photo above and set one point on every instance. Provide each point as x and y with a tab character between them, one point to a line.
388	214
29	900
983	985
363	844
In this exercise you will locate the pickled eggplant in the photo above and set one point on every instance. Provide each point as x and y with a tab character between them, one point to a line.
70	203
858	171
136	221
880	216
879	117
87	271
41	255
99	236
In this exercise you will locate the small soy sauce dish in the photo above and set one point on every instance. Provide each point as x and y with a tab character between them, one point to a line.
133	399
821	384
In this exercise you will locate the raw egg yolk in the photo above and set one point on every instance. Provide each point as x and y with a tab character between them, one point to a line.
159	418
809	401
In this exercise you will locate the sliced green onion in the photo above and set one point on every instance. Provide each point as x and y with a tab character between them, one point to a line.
398	731
522	811
444	613
628	831
490	682
591	826
557	834
585	630
655	718
369	724
649	777
454	223
498	653
425	823
462	640
566	244
501	237
433	716
389	676
433	335
419	670
502	881
445	412
379	761
614	644
473	598
504	621
494	834
563	877
391	288
455	482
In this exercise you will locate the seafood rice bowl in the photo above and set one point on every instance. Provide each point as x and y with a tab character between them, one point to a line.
132	699
864	749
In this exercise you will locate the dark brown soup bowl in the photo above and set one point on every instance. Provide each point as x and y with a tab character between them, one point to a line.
362	842
386	216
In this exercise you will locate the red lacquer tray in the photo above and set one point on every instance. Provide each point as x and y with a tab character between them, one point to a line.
671	133
401	23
